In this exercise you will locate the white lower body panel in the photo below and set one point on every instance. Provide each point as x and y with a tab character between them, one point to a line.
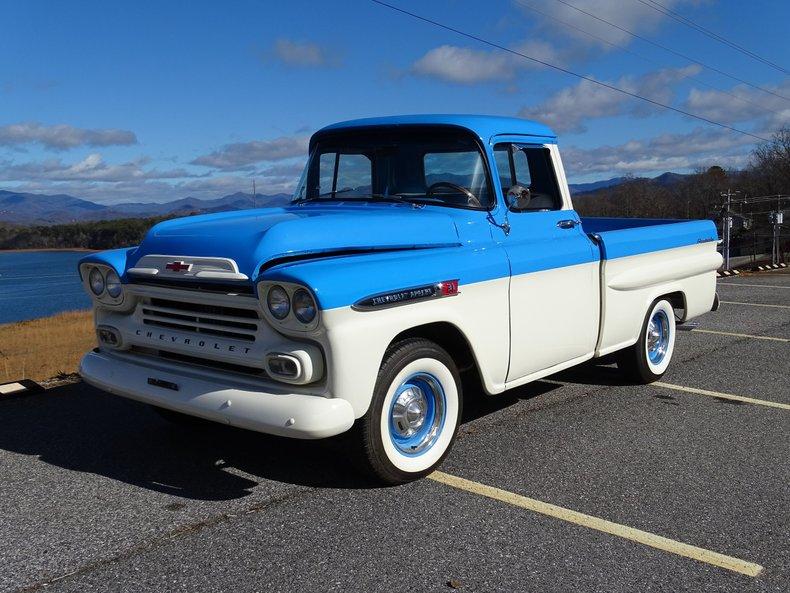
237	403
630	284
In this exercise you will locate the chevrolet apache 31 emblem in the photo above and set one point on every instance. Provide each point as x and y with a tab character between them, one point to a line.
408	295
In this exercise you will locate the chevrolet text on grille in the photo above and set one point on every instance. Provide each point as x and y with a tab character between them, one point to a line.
193	342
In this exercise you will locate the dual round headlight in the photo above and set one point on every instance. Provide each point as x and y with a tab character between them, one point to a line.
100	283
279	303
301	302
96	280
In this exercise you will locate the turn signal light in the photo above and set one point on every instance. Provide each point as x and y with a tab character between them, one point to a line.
109	336
283	366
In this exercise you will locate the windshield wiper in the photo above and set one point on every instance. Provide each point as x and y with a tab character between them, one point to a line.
395	198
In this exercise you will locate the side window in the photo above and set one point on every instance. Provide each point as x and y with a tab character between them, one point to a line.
521	165
530	167
326	173
344	173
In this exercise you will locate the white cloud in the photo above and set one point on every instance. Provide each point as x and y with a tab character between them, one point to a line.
303	54
702	147
62	137
463	65
95	179
631	15
569	109
92	168
750	104
243	155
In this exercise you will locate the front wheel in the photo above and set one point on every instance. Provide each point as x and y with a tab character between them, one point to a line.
414	414
648	359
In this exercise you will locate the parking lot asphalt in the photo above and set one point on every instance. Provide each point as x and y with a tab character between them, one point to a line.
98	493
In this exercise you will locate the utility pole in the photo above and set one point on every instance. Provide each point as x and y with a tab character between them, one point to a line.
254	202
726	230
777	218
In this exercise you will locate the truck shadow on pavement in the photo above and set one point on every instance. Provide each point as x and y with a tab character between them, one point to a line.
82	429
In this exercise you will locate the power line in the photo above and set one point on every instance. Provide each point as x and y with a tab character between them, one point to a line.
670	50
640	56
565	70
665	10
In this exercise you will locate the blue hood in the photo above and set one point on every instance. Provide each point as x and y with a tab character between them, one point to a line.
254	237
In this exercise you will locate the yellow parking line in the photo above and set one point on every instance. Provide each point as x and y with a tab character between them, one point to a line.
753	285
697	330
754	304
716	394
636	535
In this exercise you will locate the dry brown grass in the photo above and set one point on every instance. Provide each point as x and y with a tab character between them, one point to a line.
44	348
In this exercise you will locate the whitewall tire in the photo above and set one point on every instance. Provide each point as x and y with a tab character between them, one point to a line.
414	414
648	359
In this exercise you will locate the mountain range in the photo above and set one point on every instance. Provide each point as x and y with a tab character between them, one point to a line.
30	208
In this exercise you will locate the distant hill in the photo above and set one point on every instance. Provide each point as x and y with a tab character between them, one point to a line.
29	208
665	179
583	188
26	208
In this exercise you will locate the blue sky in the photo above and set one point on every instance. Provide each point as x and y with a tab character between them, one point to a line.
153	101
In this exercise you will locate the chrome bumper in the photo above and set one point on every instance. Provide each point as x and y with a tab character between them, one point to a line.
281	413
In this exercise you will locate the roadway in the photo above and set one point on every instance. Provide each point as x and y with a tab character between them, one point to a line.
574	483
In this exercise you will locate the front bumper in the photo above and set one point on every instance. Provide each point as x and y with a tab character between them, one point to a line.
272	411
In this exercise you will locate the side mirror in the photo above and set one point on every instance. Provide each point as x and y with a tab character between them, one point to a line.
517	197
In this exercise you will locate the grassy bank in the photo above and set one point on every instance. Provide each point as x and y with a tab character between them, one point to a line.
45	348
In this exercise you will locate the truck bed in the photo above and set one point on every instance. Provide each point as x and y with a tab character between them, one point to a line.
644	259
622	237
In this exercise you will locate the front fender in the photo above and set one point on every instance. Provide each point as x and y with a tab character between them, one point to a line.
355	341
115	258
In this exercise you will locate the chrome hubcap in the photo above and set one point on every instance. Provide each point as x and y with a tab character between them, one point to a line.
408	413
658	337
417	413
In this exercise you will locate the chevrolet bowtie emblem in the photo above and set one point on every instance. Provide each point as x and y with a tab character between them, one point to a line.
178	266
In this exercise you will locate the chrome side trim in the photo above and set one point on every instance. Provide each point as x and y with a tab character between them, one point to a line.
406	296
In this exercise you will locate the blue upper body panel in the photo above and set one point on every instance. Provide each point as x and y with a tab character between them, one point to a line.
349	250
254	237
484	127
622	237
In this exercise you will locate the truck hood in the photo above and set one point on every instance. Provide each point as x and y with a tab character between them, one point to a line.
253	237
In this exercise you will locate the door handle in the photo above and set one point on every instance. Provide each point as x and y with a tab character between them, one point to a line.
567	224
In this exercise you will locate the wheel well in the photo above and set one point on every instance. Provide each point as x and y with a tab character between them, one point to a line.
678	302
447	336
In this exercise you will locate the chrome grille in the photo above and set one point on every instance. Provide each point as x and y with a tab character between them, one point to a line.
201	318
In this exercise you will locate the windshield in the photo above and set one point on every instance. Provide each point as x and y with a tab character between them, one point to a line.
424	166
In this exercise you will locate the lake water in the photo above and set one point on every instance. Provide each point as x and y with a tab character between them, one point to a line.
39	283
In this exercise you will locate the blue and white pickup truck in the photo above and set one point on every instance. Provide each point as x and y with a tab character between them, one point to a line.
417	251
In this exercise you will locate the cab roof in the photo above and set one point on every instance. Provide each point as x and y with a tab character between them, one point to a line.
483	126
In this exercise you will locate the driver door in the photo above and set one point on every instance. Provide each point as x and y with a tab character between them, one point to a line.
554	294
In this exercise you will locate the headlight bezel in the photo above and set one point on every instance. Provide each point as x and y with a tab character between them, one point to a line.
289	323
104	298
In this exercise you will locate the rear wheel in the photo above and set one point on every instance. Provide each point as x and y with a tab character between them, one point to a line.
413	417
648	359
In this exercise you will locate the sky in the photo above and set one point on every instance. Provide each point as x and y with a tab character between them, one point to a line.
159	100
